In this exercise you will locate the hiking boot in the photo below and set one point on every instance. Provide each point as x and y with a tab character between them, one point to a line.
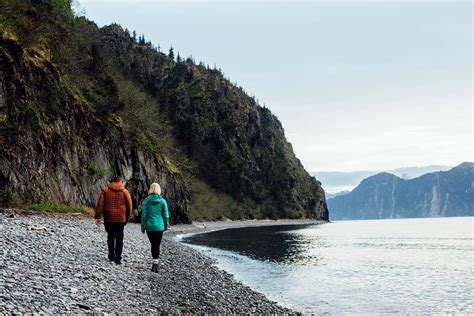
154	267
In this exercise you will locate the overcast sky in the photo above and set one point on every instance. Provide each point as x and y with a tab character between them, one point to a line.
357	86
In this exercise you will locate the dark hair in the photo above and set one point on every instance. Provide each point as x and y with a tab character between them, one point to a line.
116	178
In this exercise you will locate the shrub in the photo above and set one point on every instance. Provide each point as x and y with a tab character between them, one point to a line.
97	172
208	204
8	198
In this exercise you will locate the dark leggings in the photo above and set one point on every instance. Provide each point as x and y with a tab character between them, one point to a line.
155	240
115	239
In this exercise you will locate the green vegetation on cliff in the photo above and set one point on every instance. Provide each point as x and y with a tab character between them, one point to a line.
80	103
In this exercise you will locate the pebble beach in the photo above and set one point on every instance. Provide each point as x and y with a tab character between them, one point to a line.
58	264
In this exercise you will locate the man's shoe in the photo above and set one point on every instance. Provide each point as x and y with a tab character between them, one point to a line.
154	267
118	261
111	258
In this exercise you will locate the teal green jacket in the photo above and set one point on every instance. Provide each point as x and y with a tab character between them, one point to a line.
155	216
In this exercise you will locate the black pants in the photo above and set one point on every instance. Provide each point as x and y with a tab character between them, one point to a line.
115	240
155	240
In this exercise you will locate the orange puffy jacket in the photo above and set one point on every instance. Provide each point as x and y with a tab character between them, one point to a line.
115	203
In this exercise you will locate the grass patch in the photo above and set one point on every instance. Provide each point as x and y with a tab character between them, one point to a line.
58	208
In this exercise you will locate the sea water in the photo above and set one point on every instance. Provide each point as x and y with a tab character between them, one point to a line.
347	267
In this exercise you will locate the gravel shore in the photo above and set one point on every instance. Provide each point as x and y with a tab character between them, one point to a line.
54	264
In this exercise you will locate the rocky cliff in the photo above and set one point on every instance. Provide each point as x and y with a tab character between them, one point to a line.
55	146
79	103
444	193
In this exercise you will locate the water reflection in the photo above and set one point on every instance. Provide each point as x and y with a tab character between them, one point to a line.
354	267
265	243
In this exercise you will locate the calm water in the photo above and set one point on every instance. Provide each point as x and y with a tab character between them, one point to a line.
379	266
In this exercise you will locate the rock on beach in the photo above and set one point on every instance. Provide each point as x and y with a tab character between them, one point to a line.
63	268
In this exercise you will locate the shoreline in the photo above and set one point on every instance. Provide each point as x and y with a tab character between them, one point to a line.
58	264
206	227
175	230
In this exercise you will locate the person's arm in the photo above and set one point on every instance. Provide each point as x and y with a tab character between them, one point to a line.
167	214
128	205
99	209
144	216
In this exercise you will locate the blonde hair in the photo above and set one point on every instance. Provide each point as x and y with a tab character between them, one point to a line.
155	189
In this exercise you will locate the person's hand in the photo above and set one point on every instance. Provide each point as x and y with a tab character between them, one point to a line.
143	231
97	221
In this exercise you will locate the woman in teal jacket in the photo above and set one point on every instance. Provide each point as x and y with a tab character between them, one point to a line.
155	220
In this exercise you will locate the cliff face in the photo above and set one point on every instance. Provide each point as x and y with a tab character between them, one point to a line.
80	103
445	193
66	154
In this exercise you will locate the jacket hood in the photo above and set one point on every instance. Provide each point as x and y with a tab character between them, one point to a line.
154	199
116	186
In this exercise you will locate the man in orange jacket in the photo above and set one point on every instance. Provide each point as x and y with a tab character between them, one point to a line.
115	204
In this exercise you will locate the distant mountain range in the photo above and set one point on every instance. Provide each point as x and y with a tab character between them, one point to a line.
336	181
384	195
333	195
